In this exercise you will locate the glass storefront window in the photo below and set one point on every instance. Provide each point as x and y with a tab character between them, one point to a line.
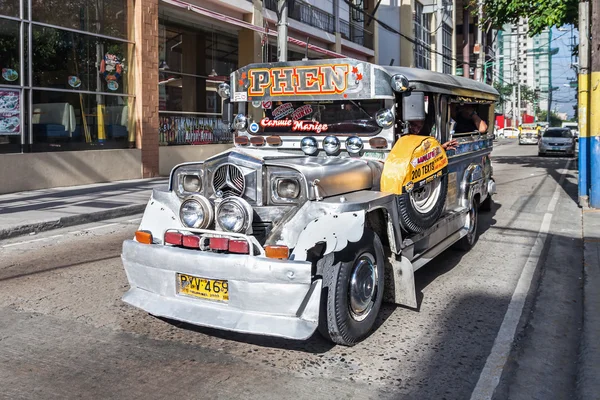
106	17
178	92
76	121
10	7
68	60
11	122
9	52
196	52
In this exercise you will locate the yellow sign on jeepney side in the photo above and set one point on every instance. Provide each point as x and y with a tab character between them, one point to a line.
414	160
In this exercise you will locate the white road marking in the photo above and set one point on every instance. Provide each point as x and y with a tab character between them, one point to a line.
100	227
134	220
490	375
31	241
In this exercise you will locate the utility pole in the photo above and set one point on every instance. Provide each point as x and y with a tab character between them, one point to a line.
480	56
594	139
282	30
518	59
550	90
466	41
583	98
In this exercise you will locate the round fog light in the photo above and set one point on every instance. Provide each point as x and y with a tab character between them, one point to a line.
354	145
309	146
331	145
234	215
196	212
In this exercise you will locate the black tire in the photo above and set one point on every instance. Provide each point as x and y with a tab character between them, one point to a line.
469	240
411	219
336	320
486	205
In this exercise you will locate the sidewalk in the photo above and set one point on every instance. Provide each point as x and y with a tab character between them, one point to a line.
589	354
41	210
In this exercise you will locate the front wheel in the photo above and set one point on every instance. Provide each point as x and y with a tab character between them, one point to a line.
353	291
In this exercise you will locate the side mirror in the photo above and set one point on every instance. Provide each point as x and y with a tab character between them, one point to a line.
227	111
413	106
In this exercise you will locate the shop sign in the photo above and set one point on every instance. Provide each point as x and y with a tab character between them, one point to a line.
282	81
10	115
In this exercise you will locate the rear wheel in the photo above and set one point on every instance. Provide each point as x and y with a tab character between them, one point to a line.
422	207
469	240
353	291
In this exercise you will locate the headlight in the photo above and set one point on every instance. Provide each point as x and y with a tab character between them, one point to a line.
188	182
331	145
234	215
287	188
309	146
384	118
196	212
399	83
354	145
240	122
192	183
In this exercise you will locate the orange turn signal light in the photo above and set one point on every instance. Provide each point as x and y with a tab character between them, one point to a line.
144	237
280	252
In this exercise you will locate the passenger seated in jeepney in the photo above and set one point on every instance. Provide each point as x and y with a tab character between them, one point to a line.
418	128
466	119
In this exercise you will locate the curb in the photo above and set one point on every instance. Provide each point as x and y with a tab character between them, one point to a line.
71	220
588	385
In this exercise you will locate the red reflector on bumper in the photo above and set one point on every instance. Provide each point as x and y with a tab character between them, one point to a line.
219	244
239	246
173	238
191	241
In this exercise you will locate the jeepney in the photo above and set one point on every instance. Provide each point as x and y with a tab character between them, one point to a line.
325	204
529	133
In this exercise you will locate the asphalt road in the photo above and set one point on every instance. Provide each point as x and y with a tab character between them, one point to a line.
64	333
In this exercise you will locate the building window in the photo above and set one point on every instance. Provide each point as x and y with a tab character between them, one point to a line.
192	63
79	96
447	48
422	38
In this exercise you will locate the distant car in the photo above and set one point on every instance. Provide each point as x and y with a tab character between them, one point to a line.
509	131
557	141
529	134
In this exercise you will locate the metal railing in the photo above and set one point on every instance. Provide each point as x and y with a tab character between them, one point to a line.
325	21
356	34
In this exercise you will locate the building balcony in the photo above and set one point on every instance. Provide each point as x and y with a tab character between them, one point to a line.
317	18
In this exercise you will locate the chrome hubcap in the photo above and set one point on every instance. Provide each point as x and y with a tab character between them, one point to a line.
363	287
425	198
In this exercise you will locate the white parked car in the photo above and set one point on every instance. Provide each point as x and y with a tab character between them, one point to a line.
509	131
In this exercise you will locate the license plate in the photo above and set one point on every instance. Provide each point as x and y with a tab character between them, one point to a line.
210	289
556	148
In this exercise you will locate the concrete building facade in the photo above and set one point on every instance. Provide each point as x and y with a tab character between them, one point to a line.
127	90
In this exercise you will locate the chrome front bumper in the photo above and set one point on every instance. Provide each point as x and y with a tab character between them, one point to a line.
528	140
266	296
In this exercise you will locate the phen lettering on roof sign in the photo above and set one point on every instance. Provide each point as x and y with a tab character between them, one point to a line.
306	80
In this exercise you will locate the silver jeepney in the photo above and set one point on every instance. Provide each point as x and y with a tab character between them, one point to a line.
292	223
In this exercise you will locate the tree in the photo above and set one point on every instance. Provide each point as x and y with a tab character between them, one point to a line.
554	119
541	14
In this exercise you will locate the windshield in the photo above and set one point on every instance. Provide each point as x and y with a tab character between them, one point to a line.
315	117
558	133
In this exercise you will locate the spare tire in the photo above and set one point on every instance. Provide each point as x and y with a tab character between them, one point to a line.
420	208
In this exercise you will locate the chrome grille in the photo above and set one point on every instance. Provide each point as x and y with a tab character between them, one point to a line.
229	180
